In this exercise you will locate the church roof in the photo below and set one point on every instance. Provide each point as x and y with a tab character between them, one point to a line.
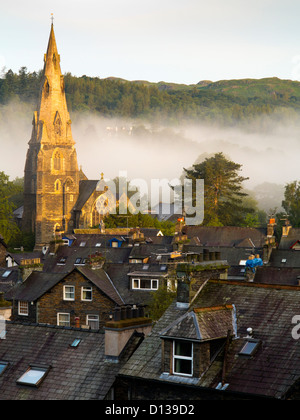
86	189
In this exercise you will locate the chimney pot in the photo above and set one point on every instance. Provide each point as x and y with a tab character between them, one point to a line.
117	314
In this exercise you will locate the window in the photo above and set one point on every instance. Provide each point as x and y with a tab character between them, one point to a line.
69	292
62	261
6	273
78	261
3	366
93	322
63	320
183	358
33	376
135	283
23	308
76	342
57	162
145	284
82	244
249	348
86	293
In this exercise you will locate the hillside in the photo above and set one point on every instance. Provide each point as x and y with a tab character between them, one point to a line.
224	102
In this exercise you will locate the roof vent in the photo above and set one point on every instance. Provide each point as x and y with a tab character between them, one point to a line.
249	332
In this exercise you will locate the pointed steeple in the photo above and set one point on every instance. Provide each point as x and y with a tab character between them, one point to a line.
52	58
51	179
52	120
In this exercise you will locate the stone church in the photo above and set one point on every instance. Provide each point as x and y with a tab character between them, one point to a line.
58	197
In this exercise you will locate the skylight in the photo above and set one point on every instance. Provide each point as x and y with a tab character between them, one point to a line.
3	366
82	244
33	376
6	273
249	347
76	342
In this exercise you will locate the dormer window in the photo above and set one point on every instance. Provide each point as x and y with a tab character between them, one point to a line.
182	358
192	342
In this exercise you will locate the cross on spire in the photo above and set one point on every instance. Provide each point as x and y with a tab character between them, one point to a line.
52	18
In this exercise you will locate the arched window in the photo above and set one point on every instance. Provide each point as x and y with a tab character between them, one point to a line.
57	124
57	161
69	185
57	185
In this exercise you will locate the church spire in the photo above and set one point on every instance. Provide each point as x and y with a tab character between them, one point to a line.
52	58
52	121
51	179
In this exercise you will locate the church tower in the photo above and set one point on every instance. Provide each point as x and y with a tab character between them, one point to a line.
51	183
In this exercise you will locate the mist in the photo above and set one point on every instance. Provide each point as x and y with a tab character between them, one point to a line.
268	152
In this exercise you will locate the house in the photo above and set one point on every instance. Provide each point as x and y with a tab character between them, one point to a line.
81	297
227	340
43	362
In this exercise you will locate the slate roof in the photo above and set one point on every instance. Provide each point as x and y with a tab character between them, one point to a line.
285	258
267	309
7	282
120	276
228	236
35	286
203	324
80	373
86	189
278	275
52	262
38	283
287	241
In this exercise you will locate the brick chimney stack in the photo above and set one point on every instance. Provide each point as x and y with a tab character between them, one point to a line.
125	322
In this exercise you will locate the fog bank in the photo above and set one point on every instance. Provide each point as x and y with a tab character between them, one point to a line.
148	151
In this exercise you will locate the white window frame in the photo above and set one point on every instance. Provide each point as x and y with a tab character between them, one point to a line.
89	289
58	320
93	320
21	310
142	288
66	298
176	357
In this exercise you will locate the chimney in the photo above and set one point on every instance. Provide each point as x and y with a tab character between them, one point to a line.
27	266
286	228
192	277
271	227
125	322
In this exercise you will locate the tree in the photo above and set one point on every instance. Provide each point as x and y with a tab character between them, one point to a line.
8	227
291	203
223	191
159	302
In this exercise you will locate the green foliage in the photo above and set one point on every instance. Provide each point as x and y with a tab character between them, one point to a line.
159	302
224	102
8	227
223	192
291	203
141	220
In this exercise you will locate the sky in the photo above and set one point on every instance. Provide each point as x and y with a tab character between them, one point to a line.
180	41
